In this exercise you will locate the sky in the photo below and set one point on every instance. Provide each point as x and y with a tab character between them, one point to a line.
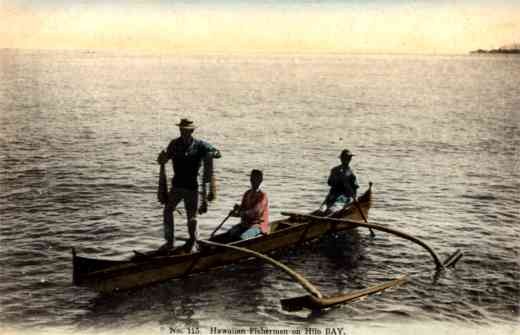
235	26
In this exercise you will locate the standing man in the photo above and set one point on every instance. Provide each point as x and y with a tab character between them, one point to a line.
187	155
343	184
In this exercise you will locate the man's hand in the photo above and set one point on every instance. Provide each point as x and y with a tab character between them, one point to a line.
162	158
235	212
216	154
203	207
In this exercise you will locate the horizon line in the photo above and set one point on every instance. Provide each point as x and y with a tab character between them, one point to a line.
238	53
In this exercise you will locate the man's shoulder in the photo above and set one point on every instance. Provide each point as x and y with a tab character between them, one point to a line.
203	143
200	143
175	141
259	192
336	169
205	147
263	193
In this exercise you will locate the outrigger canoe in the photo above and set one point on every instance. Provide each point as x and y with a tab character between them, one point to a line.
108	276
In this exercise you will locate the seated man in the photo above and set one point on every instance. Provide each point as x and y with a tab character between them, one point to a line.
343	185
253	211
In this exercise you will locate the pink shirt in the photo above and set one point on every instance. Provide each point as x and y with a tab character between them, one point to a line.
255	209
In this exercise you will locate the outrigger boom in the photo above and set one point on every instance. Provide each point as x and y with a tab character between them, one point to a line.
315	300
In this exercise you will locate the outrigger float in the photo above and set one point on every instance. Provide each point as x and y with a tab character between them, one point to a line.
108	276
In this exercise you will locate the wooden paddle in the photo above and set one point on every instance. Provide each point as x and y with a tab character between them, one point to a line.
220	225
358	206
356	203
313	303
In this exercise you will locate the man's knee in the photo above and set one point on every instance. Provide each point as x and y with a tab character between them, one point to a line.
191	214
169	207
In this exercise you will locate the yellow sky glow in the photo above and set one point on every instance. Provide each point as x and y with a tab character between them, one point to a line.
398	29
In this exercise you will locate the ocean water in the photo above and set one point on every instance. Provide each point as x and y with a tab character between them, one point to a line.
439	137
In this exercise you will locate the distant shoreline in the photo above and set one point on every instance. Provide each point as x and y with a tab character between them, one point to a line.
496	51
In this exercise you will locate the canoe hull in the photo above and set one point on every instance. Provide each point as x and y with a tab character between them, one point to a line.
109	276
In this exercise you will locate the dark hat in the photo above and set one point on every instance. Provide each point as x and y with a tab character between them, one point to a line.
186	124
346	153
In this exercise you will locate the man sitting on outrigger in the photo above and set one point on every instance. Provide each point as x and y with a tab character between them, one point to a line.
187	155
343	185
253	212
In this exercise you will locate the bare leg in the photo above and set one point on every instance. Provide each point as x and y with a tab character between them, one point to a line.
191	201
169	226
